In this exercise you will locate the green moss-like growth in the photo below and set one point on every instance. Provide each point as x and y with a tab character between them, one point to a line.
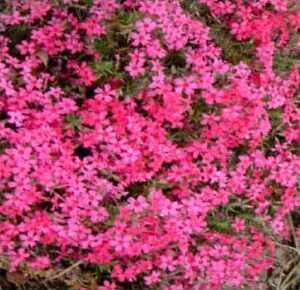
174	63
232	50
104	46
116	37
282	63
221	225
16	34
72	121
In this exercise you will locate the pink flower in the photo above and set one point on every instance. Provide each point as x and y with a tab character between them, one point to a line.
167	263
41	262
137	205
153	278
86	74
121	243
108	286
170	208
187	86
26	47
238	225
16	118
107	94
141	170
146	25
140	38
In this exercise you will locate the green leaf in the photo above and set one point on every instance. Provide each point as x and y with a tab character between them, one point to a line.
104	46
252	218
282	63
126	18
130	86
220	225
72	121
104	68
102	268
161	184
275	116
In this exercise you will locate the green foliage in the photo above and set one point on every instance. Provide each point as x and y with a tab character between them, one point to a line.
2	7
130	86
198	11
4	263
113	212
221	225
237	208
275	117
104	46
16	33
190	5
255	221
82	4
126	18
114	42
116	37
198	108
161	184
287	56
174	62
72	121
181	136
242	149
282	63
104	68
138	188
3	145
275	136
108	174
232	50
87	3
221	80
295	149
102	269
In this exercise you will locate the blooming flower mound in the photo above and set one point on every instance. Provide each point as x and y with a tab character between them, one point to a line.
134	143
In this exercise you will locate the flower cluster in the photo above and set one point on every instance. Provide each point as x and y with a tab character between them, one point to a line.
128	139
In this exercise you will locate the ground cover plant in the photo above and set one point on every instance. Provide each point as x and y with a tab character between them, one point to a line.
149	144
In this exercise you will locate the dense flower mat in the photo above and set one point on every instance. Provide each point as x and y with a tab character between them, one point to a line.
150	143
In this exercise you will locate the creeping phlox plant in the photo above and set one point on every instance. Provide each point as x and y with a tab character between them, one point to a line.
157	141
